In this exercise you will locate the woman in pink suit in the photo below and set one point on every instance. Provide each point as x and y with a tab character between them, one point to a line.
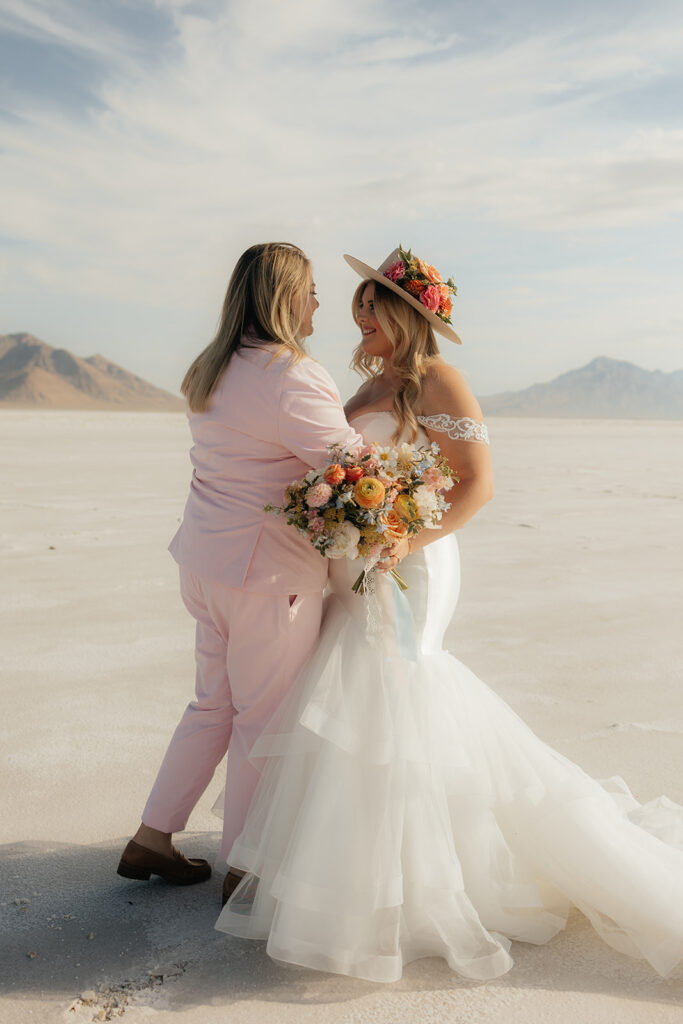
261	414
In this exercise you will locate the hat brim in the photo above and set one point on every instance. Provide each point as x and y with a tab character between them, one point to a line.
363	270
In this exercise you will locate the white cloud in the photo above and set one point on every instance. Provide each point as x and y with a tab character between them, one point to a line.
331	124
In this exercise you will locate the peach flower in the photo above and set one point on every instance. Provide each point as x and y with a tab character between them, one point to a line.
405	508
334	474
396	529
431	273
369	492
353	473
435	480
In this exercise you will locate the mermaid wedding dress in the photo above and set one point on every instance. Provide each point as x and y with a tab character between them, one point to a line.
405	811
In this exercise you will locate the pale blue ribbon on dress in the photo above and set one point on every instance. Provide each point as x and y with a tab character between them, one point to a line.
405	625
403	617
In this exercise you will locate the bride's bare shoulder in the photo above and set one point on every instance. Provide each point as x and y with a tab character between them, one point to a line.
445	390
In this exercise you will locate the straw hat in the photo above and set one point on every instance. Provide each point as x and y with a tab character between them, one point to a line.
405	268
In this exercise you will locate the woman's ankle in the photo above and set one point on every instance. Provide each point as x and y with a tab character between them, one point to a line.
153	839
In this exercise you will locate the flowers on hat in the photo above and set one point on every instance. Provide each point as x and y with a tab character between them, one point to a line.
431	298
423	282
396	272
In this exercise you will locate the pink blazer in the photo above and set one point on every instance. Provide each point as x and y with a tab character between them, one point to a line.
267	425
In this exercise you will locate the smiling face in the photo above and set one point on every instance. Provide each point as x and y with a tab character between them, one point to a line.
374	341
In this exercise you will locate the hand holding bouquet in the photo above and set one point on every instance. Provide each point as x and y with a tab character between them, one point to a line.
358	505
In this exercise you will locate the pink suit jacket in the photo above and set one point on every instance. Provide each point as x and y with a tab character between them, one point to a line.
268	423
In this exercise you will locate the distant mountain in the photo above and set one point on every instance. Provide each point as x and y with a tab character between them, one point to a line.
604	389
34	375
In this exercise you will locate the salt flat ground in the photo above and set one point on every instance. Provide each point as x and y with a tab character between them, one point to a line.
570	610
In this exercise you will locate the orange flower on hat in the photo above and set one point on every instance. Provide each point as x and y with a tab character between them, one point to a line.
446	307
369	492
414	287
431	273
396	529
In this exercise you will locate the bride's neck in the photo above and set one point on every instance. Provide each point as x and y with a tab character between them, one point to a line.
389	376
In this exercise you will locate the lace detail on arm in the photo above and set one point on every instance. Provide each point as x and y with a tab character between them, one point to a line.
461	429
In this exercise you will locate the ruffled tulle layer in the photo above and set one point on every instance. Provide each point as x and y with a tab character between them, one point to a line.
414	814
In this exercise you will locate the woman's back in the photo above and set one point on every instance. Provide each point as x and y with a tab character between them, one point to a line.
269	421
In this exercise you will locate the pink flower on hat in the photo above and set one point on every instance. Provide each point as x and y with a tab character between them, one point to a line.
396	272
431	297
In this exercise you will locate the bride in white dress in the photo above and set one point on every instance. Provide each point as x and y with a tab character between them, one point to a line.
404	810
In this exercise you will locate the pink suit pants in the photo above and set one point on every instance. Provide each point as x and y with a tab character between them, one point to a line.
249	650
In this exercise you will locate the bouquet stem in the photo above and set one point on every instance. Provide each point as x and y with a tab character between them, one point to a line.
359	586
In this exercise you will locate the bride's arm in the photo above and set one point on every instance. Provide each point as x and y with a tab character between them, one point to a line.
446	394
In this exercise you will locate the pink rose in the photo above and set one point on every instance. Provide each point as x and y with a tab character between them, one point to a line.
434	479
317	523
318	495
396	272
431	297
431	478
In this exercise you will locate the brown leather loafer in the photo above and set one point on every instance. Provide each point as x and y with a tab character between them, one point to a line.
139	862
230	883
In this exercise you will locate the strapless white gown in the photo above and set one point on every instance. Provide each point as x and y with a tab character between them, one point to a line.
406	811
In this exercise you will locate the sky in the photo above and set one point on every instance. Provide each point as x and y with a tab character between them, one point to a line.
531	150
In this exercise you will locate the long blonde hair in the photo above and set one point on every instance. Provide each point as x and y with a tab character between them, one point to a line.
258	308
415	348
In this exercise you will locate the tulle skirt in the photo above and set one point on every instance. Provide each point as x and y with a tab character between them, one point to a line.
404	810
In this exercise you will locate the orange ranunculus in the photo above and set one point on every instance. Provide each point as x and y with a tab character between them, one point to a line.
431	273
414	287
353	473
446	307
396	529
369	492
406	508
334	474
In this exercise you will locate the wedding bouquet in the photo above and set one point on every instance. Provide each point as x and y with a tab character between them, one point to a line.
359	504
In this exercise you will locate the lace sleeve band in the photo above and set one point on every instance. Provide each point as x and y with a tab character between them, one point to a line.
461	429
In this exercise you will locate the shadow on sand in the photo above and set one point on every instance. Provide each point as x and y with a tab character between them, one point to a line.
71	924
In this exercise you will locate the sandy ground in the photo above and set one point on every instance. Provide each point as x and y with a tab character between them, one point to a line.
570	610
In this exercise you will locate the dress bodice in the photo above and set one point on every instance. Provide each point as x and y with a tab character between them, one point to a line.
432	573
378	426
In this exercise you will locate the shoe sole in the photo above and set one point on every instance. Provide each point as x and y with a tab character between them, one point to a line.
144	874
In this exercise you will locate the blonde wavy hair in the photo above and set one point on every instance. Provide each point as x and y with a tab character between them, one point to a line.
415	349
258	308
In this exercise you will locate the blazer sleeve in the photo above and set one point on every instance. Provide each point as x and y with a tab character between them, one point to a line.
311	415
